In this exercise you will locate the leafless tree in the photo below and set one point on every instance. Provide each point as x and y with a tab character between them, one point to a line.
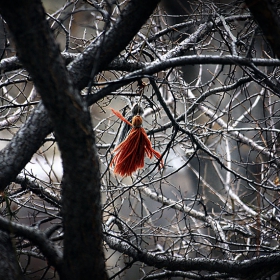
206	75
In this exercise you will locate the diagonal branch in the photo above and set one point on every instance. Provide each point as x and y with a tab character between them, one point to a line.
45	194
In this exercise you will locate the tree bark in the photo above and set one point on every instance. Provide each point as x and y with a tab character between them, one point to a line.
81	208
265	15
83	256
9	267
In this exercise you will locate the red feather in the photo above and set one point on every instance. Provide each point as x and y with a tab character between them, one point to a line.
130	154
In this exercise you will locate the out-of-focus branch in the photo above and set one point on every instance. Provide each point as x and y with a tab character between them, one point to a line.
9	267
268	20
236	134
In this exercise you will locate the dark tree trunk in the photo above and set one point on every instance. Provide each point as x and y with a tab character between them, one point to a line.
83	256
9	267
265	15
81	209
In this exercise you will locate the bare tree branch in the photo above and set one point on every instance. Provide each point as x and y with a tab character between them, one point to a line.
53	256
173	263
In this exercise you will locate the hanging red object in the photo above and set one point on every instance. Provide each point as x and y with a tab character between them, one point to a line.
130	154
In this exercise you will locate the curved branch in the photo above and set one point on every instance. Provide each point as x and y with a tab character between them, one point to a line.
9	266
38	238
235	269
24	144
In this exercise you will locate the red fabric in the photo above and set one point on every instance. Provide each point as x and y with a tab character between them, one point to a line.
130	154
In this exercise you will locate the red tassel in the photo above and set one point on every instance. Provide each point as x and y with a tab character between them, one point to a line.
131	152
